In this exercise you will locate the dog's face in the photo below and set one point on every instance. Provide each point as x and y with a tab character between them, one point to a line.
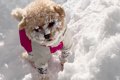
43	21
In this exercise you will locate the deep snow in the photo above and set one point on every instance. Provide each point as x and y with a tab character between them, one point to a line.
96	32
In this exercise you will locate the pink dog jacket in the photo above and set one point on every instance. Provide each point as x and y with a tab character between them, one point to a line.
26	43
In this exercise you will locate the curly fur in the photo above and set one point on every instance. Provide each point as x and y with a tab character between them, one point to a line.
41	13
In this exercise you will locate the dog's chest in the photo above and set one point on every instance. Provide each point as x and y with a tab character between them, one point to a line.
41	50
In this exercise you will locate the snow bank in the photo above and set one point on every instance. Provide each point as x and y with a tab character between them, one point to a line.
96	28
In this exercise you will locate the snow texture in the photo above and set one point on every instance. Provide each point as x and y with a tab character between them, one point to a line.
96	32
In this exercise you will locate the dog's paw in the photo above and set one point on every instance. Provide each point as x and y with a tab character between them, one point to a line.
62	59
24	55
28	58
42	70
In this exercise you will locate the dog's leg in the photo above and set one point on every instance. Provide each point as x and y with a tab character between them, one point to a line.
66	51
41	68
63	57
43	72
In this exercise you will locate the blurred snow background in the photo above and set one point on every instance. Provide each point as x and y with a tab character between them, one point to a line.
96	29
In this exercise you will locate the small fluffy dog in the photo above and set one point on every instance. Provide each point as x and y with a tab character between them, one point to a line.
43	31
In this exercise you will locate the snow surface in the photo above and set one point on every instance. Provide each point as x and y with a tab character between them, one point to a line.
96	29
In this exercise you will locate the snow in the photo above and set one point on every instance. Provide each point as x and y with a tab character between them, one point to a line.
95	25
27	77
96	33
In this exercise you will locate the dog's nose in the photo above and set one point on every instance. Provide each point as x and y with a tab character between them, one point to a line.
47	36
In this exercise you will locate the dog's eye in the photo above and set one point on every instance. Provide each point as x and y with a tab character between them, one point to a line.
37	29
51	24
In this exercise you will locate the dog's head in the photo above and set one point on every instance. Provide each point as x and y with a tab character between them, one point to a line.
43	21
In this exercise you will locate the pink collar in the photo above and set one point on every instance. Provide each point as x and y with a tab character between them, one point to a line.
26	43
24	40
56	48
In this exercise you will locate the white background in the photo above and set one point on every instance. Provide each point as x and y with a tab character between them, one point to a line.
95	25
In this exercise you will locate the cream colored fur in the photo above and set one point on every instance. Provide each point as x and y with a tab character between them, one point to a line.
39	13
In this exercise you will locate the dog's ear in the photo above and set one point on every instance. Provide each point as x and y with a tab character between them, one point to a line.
59	10
22	24
18	15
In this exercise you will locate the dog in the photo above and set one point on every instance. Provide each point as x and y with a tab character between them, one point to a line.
43	31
